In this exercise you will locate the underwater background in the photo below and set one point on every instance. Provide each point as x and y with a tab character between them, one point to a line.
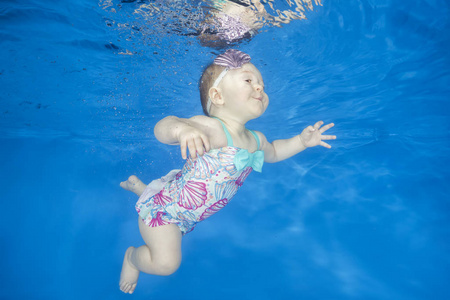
84	82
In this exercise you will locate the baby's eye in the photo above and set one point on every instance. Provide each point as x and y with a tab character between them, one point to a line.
248	80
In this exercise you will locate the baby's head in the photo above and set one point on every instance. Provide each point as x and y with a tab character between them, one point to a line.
215	72
210	74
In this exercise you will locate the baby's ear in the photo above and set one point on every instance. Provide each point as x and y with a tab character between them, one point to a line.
215	94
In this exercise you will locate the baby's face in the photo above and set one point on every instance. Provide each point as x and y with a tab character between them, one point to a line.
243	91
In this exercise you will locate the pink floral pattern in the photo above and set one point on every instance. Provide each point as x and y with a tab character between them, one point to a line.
203	187
213	209
202	167
243	176
193	195
225	189
157	221
226	158
160	199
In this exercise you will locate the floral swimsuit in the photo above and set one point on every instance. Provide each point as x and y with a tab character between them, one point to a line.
203	187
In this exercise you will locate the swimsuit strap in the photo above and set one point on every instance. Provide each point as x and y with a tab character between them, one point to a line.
256	138
230	140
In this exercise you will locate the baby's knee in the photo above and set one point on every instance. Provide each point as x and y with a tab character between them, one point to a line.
169	265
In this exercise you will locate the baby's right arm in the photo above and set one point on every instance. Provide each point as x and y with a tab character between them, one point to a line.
192	134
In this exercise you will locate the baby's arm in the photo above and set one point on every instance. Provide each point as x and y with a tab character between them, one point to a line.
192	134
311	136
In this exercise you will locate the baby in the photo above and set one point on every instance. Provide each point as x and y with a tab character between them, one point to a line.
220	153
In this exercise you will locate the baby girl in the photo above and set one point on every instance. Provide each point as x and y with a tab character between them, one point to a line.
220	153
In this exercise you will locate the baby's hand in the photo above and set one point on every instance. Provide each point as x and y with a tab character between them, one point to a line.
193	139
312	135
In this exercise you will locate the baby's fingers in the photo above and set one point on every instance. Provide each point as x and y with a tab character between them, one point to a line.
326	127
199	146
318	124
183	147
323	144
192	148
205	141
310	129
328	137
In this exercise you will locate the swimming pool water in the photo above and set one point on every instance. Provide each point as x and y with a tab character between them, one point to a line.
83	85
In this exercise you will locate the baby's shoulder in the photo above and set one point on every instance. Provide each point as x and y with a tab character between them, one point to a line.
201	119
258	133
207	124
261	136
205	121
212	128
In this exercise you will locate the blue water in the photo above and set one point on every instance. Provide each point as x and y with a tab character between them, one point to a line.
83	83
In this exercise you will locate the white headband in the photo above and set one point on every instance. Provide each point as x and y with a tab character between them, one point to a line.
231	59
216	84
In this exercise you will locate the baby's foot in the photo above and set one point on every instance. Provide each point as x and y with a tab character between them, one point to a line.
133	184
129	275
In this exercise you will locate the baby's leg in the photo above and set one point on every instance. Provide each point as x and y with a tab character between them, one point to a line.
160	256
133	184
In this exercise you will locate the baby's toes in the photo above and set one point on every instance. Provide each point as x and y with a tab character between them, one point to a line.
126	288
132	287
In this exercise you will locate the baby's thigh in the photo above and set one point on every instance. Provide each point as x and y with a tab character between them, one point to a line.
163	241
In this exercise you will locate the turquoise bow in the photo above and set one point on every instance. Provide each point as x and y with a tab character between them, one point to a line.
244	159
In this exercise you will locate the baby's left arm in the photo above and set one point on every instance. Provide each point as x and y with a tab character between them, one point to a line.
311	136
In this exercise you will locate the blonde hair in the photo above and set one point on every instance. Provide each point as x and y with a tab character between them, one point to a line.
209	75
